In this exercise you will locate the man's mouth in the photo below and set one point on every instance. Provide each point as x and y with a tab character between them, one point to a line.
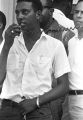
22	24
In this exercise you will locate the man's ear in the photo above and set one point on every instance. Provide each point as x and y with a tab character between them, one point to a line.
38	14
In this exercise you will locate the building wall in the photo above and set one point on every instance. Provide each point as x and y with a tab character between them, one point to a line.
8	7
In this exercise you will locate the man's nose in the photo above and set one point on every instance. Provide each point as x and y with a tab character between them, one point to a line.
20	16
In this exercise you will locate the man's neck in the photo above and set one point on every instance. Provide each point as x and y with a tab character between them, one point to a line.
31	37
46	27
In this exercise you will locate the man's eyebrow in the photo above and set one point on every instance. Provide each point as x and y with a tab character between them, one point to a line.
22	10
78	10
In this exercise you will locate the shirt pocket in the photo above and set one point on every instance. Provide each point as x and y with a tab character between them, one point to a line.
43	64
42	61
13	61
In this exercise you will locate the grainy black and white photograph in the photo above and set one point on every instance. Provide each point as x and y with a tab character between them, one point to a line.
41	60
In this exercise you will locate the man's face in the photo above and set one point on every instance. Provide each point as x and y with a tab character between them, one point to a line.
25	15
45	13
78	16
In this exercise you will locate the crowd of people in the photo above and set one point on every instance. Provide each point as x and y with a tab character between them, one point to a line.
41	62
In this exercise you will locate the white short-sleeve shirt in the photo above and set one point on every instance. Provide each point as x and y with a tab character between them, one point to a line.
29	73
75	47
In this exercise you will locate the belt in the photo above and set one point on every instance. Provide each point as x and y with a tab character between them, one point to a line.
10	103
7	102
76	92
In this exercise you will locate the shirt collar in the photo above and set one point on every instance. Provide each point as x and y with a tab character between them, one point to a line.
21	39
43	36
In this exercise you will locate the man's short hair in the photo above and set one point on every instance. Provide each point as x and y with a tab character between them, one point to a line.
3	19
49	3
35	3
79	1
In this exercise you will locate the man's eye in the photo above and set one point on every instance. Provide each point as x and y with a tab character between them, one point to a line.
76	12
17	12
25	12
46	7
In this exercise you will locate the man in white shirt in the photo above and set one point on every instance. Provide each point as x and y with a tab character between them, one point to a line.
31	59
75	48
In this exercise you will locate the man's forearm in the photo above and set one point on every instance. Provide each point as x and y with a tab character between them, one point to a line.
60	90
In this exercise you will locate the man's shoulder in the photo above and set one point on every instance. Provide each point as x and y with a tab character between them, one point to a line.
53	44
54	26
55	30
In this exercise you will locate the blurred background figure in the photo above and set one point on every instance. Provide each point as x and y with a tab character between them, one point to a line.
75	47
51	27
48	23
2	27
62	13
73	105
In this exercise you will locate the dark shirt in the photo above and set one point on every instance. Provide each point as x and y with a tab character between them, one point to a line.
54	29
68	35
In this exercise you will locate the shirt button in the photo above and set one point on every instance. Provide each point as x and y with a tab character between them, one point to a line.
23	97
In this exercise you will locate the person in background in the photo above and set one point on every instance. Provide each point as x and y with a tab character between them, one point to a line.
2	27
29	59
75	49
62	10
48	23
51	27
62	13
